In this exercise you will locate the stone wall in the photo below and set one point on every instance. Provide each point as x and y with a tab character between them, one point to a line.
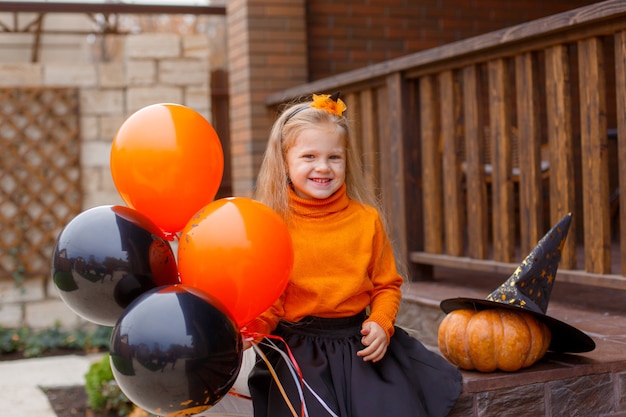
600	393
144	69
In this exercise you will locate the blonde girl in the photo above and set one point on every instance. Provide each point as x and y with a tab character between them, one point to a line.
337	314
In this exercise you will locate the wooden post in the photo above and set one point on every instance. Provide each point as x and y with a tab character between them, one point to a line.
529	153
431	166
392	162
594	146
453	204
477	218
500	140
620	92
561	145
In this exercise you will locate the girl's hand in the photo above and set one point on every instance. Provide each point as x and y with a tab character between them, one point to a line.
375	341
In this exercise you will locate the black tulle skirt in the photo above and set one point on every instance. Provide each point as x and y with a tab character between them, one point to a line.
409	381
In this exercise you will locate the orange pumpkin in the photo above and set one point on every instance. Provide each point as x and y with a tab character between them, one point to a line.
492	339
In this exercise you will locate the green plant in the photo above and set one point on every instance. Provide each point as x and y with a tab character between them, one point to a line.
103	393
31	342
11	340
44	341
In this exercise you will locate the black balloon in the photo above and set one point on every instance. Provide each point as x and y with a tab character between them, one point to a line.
106	257
175	352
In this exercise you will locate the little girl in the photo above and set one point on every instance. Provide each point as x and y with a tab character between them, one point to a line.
338	311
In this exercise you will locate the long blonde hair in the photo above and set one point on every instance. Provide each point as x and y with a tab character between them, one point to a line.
272	181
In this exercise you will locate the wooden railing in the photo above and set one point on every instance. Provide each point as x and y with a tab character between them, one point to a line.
479	146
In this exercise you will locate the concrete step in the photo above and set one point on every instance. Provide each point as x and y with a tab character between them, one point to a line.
586	384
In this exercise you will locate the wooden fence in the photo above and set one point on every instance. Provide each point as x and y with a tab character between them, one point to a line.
479	146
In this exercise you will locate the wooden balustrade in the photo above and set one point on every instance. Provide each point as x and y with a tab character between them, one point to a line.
479	146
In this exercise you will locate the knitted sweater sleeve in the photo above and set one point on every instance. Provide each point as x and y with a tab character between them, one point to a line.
386	295
267	321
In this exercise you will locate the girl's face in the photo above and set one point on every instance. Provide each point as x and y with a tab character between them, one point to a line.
316	162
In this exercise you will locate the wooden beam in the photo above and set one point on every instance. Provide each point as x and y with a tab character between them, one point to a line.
76	7
507	268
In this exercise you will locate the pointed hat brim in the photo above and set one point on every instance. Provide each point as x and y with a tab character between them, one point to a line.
565	338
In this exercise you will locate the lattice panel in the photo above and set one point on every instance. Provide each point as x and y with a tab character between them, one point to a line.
39	175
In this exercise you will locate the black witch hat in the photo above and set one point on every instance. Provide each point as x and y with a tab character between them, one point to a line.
529	289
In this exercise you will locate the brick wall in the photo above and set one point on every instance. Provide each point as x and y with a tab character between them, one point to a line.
349	34
266	53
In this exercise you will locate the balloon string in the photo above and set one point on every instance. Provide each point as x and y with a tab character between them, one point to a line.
293	367
292	370
171	236
234	393
291	357
252	336
280	386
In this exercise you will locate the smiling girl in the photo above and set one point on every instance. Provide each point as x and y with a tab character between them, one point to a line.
337	314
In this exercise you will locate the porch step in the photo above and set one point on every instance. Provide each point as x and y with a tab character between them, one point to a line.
586	384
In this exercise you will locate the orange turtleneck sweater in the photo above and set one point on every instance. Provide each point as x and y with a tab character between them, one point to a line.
343	262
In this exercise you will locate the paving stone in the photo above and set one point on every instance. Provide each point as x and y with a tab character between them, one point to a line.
21	381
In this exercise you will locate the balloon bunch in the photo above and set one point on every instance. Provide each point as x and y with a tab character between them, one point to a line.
175	347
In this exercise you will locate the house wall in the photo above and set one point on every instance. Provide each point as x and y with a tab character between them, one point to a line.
350	34
141	69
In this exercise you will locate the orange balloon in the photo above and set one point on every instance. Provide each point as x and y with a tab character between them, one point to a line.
239	251
167	163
